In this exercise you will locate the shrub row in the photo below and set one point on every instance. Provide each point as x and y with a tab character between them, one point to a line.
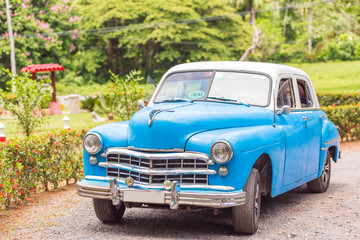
30	163
338	99
347	119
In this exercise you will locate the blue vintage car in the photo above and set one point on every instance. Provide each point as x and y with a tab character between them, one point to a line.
214	135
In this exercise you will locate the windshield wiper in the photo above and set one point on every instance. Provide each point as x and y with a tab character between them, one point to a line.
229	100
177	100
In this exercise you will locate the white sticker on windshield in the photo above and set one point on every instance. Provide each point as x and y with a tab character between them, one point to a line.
196	94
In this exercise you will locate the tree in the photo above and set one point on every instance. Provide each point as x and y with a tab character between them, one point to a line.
157	34
37	26
29	96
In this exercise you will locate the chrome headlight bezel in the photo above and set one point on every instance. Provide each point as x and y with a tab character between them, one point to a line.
226	145
99	147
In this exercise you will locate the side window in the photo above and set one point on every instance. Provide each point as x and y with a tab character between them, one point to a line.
305	95
285	93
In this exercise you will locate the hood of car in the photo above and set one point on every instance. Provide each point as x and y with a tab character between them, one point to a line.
172	124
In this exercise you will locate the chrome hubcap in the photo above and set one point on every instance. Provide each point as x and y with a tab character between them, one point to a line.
257	201
326	171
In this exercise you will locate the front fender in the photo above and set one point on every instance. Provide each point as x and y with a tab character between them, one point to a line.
112	135
248	144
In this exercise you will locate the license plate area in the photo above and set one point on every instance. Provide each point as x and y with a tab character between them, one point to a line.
144	196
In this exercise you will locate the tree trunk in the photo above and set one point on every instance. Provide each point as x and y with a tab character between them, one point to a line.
255	44
148	54
285	18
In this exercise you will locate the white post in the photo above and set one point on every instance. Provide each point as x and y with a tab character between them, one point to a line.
11	38
2	133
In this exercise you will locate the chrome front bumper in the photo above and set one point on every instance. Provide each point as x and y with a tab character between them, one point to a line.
173	197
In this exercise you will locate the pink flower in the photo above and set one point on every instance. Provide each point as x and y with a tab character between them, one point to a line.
47	3
41	11
46	44
27	53
54	8
30	60
73	37
72	48
51	30
15	34
23	6
52	41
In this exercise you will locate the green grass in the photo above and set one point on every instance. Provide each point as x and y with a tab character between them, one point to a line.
333	77
87	90
77	121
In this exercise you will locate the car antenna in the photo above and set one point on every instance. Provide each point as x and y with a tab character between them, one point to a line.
151	80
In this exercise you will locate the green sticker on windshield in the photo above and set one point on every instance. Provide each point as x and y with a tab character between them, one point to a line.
196	94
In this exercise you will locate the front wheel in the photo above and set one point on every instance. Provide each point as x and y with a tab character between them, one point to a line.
321	184
107	212
245	218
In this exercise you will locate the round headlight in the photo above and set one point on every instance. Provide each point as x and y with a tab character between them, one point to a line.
221	151
92	143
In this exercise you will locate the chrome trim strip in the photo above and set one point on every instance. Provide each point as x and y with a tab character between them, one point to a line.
332	141
161	186
324	149
159	171
203	199
156	150
183	155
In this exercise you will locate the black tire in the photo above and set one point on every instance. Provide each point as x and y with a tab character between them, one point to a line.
107	212
245	218
321	184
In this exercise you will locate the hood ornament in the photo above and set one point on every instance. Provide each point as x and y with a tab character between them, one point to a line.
153	113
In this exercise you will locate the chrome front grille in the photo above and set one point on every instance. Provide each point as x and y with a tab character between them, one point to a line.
155	168
156	163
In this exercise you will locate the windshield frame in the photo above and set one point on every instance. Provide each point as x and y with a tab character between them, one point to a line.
211	83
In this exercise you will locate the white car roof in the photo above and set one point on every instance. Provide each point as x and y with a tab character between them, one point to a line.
274	70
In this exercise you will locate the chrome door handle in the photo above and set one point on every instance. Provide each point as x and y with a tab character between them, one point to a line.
322	116
305	118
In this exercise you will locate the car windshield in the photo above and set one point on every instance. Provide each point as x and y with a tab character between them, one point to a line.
233	87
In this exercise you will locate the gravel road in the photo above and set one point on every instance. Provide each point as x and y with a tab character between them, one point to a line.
298	214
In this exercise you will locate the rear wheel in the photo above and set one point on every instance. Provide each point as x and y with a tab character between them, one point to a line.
321	184
245	218
107	212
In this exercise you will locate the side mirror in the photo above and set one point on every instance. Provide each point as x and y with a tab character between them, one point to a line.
283	109
141	104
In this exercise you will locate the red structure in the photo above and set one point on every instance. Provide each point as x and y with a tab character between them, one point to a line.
55	108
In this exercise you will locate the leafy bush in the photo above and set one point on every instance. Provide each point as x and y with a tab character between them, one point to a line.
26	163
347	119
122	98
338	99
89	103
27	101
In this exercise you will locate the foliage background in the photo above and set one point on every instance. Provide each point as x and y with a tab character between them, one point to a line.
91	37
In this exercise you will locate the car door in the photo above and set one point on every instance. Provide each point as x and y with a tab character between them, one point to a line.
293	125
313	123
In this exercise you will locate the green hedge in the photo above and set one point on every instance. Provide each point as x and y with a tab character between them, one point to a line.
347	118
338	99
27	163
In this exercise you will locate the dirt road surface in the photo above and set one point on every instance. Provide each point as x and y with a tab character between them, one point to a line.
298	214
